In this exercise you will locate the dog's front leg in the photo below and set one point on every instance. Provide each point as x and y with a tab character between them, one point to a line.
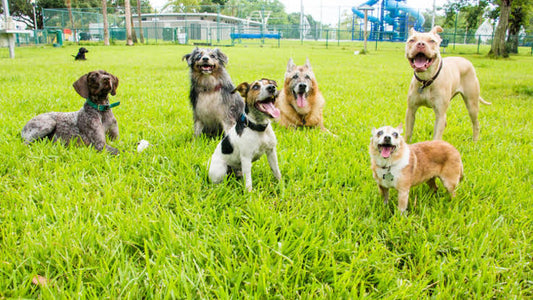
440	123
246	165
410	121
384	193
403	198
198	128
272	158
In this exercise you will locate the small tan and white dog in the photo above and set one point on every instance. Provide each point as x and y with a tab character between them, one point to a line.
395	164
437	80
252	135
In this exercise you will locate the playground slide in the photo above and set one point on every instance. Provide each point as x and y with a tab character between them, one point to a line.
361	14
392	7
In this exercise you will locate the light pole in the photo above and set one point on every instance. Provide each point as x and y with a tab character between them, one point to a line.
365	8
33	4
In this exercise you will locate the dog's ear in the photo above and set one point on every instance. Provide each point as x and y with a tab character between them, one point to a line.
290	65
400	128
436	29
188	57
374	130
81	86
221	56
412	31
242	89
115	84
308	64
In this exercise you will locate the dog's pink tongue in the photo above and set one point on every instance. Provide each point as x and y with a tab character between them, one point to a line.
301	101
420	62
386	151
271	109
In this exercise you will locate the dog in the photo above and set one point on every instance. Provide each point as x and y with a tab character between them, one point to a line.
251	137
215	106
437	80
81	54
90	124
300	101
395	164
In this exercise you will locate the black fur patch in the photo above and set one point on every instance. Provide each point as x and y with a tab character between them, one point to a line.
227	148
239	126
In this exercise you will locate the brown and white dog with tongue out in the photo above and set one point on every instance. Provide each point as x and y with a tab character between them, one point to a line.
437	80
251	137
300	101
395	164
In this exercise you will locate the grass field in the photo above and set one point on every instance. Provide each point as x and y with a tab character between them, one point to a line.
150	225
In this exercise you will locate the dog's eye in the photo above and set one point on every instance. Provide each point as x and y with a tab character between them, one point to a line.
380	133
432	41
395	135
295	76
212	55
307	77
255	87
411	40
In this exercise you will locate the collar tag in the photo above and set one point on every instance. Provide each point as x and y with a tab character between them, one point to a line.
388	177
102	107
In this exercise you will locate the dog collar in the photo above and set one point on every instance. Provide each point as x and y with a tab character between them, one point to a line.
426	83
101	107
247	123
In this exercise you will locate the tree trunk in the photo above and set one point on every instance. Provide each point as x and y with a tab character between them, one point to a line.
127	8
516	19
69	8
140	21
498	48
106	24
133	33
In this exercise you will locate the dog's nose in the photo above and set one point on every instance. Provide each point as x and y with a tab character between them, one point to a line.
420	45
387	139
271	89
205	58
302	87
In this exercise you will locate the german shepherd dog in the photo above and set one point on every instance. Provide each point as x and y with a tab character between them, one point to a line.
215	106
300	101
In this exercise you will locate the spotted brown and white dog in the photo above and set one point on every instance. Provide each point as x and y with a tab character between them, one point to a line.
90	124
215	106
251	137
395	164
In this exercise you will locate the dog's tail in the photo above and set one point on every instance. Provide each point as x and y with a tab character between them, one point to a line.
484	102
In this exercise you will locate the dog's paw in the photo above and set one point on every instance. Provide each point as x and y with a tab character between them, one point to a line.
142	145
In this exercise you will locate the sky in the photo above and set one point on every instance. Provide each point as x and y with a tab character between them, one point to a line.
327	11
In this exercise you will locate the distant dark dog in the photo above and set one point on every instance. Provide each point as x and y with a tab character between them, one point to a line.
81	54
215	106
90	124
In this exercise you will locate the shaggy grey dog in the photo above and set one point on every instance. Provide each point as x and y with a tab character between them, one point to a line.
215	105
90	124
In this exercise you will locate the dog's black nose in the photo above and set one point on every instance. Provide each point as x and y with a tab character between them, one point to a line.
205	58
387	139
302	87
271	89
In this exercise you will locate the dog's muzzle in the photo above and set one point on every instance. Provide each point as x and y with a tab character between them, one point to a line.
386	148
420	62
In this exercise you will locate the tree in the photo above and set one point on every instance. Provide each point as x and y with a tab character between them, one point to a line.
498	47
140	21
106	24
520	9
127	13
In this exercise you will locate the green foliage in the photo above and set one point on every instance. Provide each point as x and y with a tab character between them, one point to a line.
151	226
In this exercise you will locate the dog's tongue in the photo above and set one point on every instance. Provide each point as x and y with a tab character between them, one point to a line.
301	101
270	109
420	62
386	151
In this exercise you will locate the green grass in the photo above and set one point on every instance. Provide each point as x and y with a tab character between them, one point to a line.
151	225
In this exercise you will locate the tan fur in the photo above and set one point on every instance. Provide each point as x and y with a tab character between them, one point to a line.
411	165
291	114
456	77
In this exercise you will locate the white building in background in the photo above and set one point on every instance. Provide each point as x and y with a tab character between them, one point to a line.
485	31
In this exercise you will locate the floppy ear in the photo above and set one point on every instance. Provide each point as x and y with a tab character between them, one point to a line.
242	89
436	29
290	65
221	56
115	84
188	57
81	86
400	128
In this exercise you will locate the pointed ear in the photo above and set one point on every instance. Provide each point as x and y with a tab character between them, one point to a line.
81	86
308	63
290	65
412	31
436	29
221	56
242	89
374	130
114	82
400	128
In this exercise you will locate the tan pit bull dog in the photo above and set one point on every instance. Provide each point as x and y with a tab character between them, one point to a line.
437	80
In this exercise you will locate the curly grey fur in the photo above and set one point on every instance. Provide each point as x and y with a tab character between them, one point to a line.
216	106
88	125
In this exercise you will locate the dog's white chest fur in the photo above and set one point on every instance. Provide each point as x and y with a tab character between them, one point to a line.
388	172
207	107
250	145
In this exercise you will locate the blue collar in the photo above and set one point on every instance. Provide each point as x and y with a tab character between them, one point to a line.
101	107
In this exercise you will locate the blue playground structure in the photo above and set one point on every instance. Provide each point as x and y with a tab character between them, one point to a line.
392	22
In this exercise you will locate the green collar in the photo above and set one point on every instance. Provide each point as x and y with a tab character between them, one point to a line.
101	107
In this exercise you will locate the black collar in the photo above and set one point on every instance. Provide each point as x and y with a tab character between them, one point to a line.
243	122
426	83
